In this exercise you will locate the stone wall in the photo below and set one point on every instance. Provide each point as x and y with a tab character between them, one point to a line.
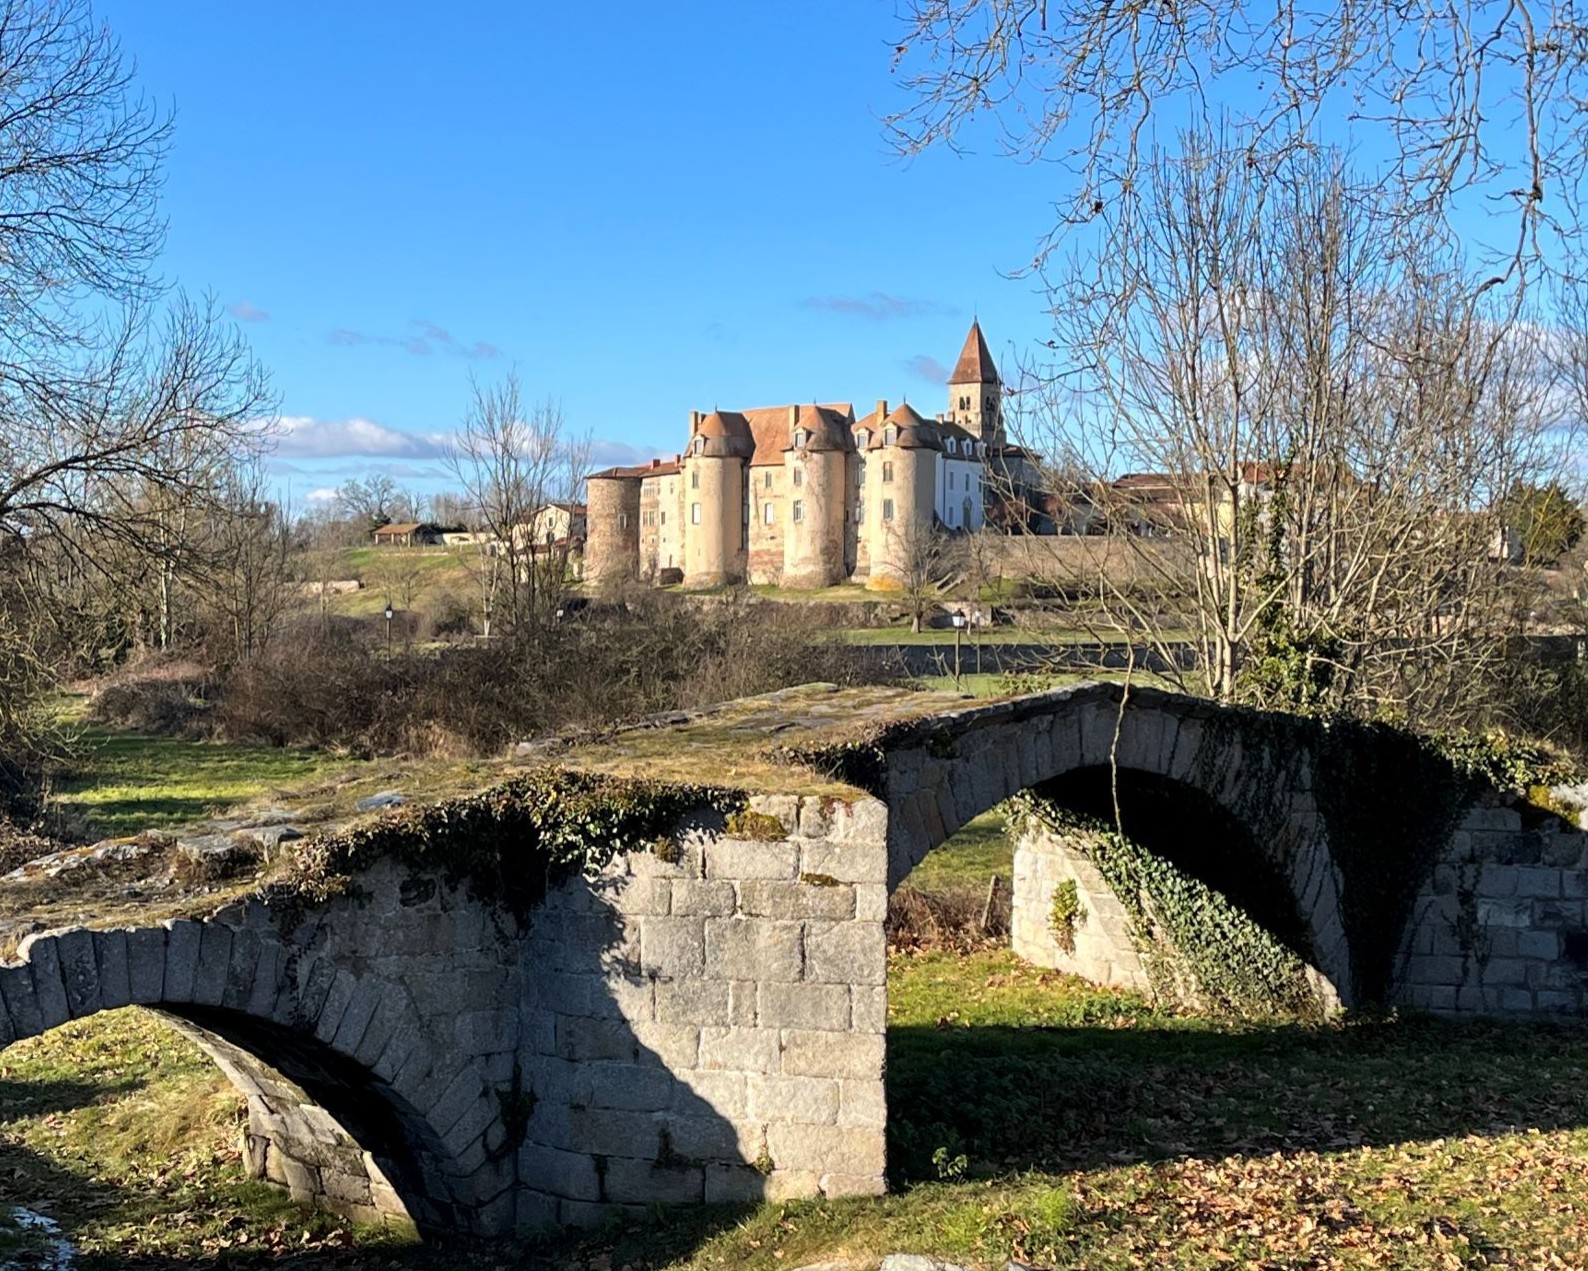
1102	948
711	1027
1501	927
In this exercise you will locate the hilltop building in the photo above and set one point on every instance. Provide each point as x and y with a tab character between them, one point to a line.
804	495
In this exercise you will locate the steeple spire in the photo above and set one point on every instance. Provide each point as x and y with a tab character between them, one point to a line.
975	365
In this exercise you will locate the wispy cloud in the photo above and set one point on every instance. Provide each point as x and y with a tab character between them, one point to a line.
245	311
303	437
879	306
604	453
323	495
426	338
926	367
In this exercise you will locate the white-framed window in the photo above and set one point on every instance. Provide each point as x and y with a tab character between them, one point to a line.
700	445
887	471
890	434
798	512
800	436
952	444
694	514
766	481
799	476
766	514
863	438
860	473
887	509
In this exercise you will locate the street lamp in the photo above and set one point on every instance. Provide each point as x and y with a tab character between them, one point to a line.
958	619
390	614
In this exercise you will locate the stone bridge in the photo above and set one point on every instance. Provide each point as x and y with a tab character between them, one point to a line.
705	1021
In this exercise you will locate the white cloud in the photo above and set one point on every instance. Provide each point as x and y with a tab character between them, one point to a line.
323	495
606	454
244	311
304	437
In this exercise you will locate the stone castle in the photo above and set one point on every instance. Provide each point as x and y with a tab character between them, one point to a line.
804	496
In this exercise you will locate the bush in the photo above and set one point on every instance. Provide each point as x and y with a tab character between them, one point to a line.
604	664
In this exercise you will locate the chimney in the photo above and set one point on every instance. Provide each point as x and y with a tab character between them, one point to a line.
694	422
656	463
793	416
882	409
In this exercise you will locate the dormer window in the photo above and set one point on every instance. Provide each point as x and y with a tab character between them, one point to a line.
863	438
801	437
953	445
700	445
890	435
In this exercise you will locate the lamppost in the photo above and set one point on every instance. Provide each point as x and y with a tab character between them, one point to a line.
958	619
390	614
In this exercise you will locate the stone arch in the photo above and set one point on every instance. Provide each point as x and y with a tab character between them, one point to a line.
361	1106
940	772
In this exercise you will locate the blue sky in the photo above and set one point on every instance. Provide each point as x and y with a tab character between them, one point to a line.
644	209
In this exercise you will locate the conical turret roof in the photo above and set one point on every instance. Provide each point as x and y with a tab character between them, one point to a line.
975	365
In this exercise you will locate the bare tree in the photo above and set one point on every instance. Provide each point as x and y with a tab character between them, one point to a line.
511	463
374	501
1475	104
1331	414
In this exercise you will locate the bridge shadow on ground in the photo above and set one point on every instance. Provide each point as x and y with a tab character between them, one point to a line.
1056	1099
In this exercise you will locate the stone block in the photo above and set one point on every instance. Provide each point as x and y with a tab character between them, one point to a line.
146	964
703	899
823	1054
570	1175
1515	1001
603	1132
1558	1002
672	947
825	1149
1574	884
733	1184
1505	913
215	960
182	941
710	1138
815	818
21	1001
868	1009
702	1093
837	1186
270	977
808	1006
735	860
332	1004
357	1018
672	1045
845	953
742	1002
693	1002
110	957
871	902
749	948
792	1184
811	897
49	989
1501	972
807	1100
1538	883
79	971
637	897
648	1183
740	1049
1543	945
846	862
1427	970
482	1032
863	1104
862	820
585	1040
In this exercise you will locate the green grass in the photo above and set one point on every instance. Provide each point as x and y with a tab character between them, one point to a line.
969	859
122	783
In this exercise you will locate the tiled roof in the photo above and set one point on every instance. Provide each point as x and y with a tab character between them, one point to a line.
770	427
655	468
405	527
975	365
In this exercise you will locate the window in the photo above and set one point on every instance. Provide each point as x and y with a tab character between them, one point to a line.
964	403
623	520
664	518
890	434
694	479
799	510
887	472
694	514
887	509
970	513
799	476
863	438
799	436
860	473
951	516
987	404
950	480
953	446
766	514
766	481
700	445
860	513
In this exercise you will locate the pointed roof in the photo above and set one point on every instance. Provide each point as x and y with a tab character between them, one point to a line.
975	365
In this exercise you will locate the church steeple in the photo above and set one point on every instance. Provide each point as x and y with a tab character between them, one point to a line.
975	392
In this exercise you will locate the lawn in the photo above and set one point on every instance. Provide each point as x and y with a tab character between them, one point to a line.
121	783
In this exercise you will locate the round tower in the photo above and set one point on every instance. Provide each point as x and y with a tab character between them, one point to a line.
902	485
612	528
817	465
714	500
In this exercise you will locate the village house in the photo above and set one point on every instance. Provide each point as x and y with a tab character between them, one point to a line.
805	496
